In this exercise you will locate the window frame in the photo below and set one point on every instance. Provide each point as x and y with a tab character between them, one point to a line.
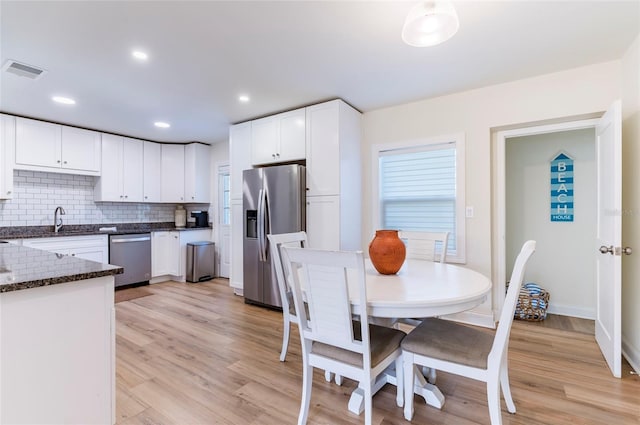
417	144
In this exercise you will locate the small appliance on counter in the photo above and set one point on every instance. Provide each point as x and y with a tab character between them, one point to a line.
202	218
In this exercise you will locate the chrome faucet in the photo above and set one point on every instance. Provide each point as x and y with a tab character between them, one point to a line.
57	222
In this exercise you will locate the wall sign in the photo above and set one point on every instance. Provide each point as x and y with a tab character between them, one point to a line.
562	188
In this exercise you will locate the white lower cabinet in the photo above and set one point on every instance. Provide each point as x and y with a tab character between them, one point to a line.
169	251
93	247
165	253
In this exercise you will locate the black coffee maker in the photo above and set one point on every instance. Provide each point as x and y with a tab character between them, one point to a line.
202	218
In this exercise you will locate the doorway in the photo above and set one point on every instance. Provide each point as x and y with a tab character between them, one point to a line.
224	221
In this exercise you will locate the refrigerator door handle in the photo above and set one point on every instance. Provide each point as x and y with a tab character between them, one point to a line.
261	233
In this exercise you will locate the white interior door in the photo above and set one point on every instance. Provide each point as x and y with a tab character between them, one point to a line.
609	236
224	225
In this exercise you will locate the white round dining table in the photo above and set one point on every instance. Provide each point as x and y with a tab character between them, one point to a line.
419	289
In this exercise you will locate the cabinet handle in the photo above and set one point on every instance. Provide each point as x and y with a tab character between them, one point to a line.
278	155
120	196
8	192
146	197
64	162
273	155
126	196
193	197
73	255
58	161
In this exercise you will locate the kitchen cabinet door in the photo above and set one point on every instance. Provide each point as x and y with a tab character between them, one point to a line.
132	167
152	154
265	135
323	150
172	179
239	155
7	145
292	135
80	149
109	184
323	222
38	143
165	253
197	178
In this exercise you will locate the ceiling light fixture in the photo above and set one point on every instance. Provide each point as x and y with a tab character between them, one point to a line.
243	98
430	23
140	55
161	124
63	100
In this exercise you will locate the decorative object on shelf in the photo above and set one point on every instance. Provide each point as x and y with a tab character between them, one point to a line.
181	216
429	23
387	251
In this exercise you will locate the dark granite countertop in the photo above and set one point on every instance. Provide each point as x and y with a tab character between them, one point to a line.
23	268
27	232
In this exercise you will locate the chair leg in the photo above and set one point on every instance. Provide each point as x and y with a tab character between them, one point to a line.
307	378
285	337
407	360
493	400
399	382
430	374
506	388
368	402
338	380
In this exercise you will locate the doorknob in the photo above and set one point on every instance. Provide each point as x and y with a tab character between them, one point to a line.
605	249
627	250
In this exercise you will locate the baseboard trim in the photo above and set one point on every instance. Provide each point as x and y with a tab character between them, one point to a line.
631	353
567	310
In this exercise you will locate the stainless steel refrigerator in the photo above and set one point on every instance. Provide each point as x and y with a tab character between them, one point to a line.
273	201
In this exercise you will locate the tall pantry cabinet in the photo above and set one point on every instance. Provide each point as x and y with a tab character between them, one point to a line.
332	156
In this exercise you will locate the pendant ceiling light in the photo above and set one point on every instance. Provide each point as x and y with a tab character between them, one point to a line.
430	23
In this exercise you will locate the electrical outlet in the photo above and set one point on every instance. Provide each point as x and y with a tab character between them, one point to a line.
469	212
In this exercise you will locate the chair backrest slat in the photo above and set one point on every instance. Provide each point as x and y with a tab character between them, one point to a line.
431	246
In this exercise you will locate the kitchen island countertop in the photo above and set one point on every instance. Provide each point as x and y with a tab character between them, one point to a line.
23	268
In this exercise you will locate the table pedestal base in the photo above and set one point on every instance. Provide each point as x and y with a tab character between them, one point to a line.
431	394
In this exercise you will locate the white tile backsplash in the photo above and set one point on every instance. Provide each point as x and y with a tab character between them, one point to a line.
37	194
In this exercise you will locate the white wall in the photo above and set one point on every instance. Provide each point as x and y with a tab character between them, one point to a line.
569	93
564	263
631	203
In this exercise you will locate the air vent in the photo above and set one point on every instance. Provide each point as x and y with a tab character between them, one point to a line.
23	70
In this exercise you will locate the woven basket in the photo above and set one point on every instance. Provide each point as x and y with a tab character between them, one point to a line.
533	302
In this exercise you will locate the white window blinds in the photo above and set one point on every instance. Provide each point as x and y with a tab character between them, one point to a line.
418	189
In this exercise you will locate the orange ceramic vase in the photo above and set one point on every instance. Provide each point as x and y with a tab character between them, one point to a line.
387	251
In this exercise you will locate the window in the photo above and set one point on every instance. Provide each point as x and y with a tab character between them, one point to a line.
421	188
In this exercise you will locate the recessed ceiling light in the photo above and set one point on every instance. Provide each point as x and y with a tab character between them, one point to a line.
243	98
161	124
63	100
140	55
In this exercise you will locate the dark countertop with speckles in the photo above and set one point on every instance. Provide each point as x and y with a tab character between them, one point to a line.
26	232
23	268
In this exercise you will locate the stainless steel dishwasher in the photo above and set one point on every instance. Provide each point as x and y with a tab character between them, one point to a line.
133	252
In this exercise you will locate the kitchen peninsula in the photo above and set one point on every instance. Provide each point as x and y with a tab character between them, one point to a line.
57	338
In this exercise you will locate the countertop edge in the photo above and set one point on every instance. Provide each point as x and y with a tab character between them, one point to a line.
56	280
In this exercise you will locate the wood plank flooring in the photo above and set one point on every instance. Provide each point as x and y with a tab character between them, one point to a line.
196	354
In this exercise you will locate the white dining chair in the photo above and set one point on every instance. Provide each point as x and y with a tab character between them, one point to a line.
330	339
430	246
466	350
298	239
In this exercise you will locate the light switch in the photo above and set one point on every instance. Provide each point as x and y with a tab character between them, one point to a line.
469	212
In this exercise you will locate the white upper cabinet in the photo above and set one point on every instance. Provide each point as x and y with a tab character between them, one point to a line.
122	165
172	178
197	168
278	138
152	154
7	144
239	155
43	146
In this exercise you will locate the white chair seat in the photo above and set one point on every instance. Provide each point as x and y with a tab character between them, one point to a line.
450	341
383	340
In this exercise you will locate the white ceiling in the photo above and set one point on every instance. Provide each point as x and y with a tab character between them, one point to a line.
283	54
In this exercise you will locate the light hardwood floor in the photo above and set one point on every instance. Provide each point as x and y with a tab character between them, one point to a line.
196	354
